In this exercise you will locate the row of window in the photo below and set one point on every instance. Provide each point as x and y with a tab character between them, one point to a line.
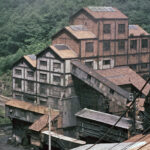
56	65
29	73
121	45
107	28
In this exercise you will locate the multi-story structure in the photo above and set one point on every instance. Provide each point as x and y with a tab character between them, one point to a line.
100	38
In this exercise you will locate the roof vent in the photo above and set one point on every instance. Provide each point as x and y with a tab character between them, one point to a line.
61	47
78	28
133	27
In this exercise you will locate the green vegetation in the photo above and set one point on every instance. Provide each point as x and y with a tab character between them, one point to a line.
26	26
3	120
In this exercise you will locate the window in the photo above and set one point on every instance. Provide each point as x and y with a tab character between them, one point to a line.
17	96
133	44
121	45
106	45
106	28
30	73
43	63
89	64
89	47
18	83
144	66
144	43
56	91
30	86
106	62
111	91
133	67
56	79
121	28
56	65
43	76
18	71
43	89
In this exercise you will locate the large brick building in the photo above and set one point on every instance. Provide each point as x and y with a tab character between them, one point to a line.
100	38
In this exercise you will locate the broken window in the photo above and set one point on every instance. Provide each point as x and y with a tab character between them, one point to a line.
106	62
18	83
121	28
18	71
121	45
43	63
144	66
144	43
30	73
30	86
43	76
56	79
89	64
43	89
106	45
89	47
106	28
56	65
133	44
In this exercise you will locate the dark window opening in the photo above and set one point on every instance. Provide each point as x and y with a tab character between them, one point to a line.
144	66
133	44
88	77
43	89
111	91
56	65
106	45
144	43
43	76
30	86
18	83
121	45
106	62
43	63
30	73
89	64
57	79
121	28
106	28
18	71
89	47
133	67
19	97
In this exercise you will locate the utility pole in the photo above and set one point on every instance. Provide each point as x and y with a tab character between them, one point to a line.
49	128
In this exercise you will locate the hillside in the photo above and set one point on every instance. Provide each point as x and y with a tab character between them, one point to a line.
26	26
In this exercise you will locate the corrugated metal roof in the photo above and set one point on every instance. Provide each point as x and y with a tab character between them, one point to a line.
123	76
136	30
101	79
108	146
105	13
29	107
65	53
104	118
80	32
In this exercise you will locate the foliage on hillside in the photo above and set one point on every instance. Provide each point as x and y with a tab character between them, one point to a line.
26	26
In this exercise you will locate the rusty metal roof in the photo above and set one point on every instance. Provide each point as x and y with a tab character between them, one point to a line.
31	59
64	53
136	30
104	118
29	107
80	32
101	78
105	13
124	76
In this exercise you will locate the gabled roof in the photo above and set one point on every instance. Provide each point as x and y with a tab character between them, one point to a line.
103	12
136	30
29	107
63	53
124	76
79	32
31	59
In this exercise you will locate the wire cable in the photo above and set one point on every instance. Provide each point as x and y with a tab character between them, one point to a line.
120	116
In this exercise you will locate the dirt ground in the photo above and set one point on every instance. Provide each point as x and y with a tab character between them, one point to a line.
5	146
